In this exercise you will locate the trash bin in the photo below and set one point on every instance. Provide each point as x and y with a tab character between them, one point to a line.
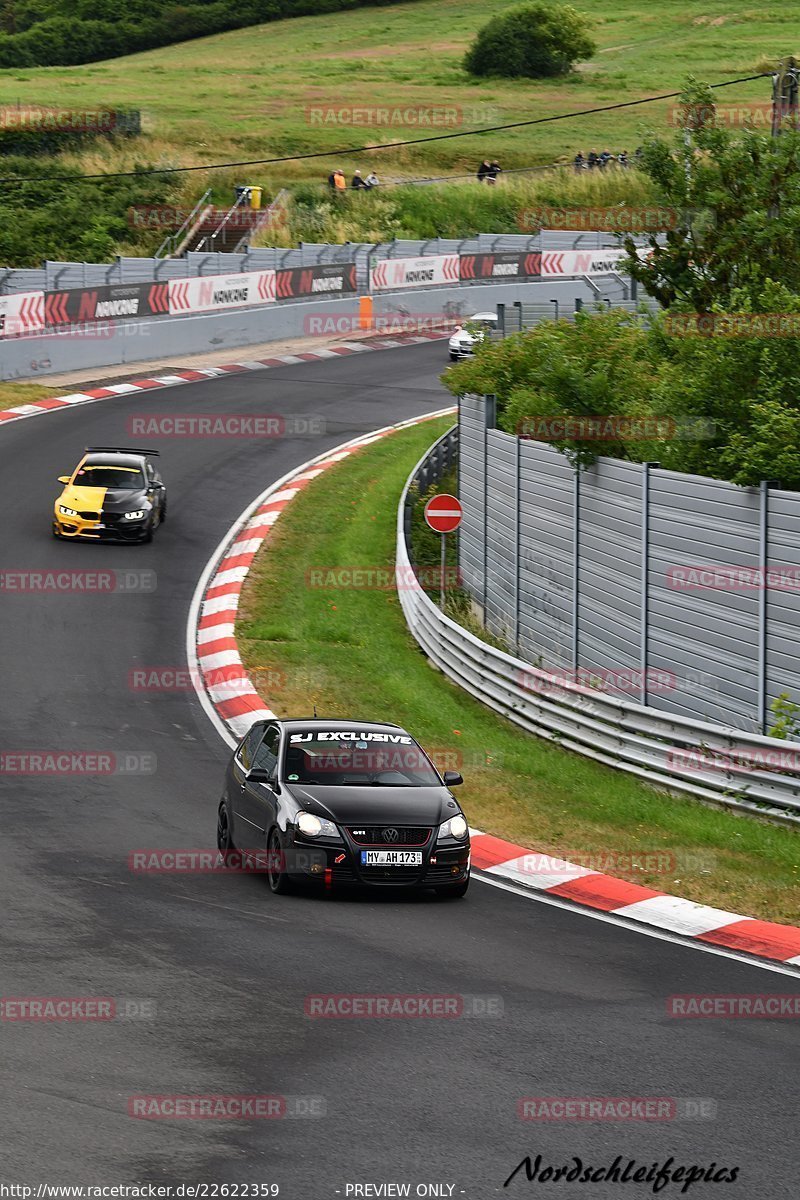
255	197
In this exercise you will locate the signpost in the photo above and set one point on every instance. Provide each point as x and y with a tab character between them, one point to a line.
443	514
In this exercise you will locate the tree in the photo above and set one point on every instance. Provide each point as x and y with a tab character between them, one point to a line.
737	196
533	41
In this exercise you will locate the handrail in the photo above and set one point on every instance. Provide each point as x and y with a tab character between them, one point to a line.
172	238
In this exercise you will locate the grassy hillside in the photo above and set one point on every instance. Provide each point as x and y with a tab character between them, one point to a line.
248	93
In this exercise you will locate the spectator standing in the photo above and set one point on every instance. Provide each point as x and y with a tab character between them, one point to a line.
358	183
483	171
494	170
372	180
592	159
604	160
622	158
339	182
578	162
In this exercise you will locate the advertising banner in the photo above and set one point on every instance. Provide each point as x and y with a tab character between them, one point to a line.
324	280
394	273
21	313
207	293
505	265
112	302
581	262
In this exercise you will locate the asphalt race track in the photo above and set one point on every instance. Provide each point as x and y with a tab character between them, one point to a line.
425	1101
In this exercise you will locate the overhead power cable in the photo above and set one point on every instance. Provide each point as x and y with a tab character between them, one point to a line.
351	150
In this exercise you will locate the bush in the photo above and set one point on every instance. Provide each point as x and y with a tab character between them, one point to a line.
533	41
56	33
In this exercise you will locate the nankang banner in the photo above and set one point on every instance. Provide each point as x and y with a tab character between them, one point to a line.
112	302
327	279
582	262
392	273
205	293
504	265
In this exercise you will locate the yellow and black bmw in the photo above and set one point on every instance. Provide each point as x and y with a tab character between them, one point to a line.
115	494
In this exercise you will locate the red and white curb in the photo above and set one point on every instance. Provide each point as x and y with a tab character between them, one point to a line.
222	684
54	403
233	704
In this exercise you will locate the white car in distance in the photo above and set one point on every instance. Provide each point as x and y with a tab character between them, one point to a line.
474	330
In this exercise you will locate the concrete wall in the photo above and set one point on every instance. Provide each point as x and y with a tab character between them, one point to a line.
176	338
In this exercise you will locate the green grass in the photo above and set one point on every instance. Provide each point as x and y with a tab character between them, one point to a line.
14	394
245	94
349	651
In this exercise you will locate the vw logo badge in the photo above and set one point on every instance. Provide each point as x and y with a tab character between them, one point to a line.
390	835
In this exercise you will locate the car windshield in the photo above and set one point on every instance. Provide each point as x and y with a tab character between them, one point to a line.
109	476
333	759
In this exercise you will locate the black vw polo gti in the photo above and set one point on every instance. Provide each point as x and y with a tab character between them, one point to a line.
343	802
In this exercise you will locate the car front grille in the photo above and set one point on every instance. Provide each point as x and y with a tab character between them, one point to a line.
377	835
89	516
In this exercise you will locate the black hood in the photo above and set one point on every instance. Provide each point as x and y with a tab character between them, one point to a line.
356	805
125	499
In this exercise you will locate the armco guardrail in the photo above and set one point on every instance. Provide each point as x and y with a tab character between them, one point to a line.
726	767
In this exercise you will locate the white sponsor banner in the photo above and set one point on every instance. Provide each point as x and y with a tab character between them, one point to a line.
581	262
21	313
206	293
392	273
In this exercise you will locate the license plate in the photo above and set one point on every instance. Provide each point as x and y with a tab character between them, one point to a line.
391	858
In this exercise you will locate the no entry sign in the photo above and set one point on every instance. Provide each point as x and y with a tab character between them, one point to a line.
443	513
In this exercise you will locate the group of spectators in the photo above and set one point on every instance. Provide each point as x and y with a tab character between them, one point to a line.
488	172
601	161
338	183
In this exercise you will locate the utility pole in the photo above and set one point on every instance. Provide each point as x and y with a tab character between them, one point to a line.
785	96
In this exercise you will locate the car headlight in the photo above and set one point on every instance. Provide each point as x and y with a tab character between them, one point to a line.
136	515
312	827
68	512
456	827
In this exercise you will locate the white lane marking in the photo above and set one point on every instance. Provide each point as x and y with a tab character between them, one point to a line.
662	935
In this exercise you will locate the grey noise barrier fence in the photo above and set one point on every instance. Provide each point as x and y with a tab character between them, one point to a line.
713	760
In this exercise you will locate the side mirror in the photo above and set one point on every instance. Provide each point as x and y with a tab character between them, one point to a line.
63	479
259	775
453	778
